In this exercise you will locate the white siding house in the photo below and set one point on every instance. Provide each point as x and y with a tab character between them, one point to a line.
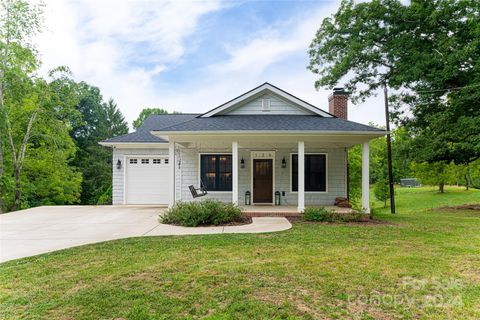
262	143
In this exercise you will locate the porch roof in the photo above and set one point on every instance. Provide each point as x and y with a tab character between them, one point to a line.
267	123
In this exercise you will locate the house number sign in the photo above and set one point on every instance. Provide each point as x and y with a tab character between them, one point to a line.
263	154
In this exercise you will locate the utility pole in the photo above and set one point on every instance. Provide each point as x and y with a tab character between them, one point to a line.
389	151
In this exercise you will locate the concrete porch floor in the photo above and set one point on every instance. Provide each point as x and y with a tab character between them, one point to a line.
282	211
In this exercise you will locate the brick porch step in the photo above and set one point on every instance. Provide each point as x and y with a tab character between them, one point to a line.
271	214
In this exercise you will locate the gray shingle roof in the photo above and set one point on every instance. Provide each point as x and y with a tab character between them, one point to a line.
154	122
268	123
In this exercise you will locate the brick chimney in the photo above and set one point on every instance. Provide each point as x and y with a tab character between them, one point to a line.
338	103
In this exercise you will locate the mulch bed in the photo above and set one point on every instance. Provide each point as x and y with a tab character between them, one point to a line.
462	207
366	221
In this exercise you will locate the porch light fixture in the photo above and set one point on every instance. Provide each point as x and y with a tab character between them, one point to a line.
284	163
242	163
119	164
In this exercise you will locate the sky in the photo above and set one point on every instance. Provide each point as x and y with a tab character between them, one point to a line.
189	56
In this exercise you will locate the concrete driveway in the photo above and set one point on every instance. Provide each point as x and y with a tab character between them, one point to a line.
49	228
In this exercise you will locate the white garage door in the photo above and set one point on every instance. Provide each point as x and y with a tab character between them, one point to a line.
147	180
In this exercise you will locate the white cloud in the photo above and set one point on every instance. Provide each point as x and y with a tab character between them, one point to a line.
109	44
122	47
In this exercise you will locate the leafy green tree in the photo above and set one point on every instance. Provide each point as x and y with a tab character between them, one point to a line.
444	55
41	149
381	190
144	114
430	48
357	45
437	173
19	22
99	120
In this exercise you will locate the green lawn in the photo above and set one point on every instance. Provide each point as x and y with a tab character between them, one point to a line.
419	264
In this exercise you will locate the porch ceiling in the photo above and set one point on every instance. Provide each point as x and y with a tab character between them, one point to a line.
259	140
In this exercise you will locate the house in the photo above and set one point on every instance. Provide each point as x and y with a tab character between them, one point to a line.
265	147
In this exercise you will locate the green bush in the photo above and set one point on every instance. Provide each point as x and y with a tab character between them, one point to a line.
321	214
207	212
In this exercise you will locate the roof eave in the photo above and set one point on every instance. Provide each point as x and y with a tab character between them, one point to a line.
159	133
118	144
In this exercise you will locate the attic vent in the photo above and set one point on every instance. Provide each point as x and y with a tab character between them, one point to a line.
265	105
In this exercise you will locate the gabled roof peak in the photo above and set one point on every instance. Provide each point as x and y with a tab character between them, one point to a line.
266	87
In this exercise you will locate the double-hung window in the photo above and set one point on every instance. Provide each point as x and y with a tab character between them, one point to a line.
216	171
315	172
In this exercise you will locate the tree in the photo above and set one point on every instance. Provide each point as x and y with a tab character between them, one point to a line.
145	113
98	121
444	55
427	52
19	22
381	190
357	41
438	173
40	147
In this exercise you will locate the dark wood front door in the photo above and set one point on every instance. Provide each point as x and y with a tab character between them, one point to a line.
262	180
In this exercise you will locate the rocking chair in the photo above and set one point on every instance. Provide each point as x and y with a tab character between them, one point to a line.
198	192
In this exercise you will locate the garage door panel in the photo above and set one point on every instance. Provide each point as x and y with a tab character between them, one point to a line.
147	180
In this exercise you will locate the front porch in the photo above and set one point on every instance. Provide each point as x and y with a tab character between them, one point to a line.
283	211
270	175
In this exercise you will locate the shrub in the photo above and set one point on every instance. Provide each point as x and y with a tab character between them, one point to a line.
382	191
207	212
321	214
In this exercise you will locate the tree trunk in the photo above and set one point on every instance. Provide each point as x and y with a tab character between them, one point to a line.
467	183
441	187
18	190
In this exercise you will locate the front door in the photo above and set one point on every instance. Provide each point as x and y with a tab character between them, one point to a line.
262	181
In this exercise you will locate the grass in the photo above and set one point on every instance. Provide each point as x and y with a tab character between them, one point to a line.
421	264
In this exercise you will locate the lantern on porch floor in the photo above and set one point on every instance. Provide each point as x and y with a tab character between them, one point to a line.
247	198
277	198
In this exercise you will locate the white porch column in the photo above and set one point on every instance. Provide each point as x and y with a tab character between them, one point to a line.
301	176
235	172
366	177
171	166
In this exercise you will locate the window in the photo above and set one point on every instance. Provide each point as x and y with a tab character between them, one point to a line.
157	161
315	172
165	161
133	161
216	171
145	161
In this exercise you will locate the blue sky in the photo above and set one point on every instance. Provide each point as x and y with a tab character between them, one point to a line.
188	56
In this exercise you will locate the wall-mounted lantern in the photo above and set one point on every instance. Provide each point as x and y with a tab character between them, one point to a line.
284	163
247	198
119	164
242	163
277	198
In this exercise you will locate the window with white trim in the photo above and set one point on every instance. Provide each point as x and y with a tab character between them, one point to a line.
165	161
315	172
145	161
157	161
133	161
216	171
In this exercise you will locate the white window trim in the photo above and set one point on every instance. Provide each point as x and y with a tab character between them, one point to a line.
200	169
126	158
326	172
252	157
